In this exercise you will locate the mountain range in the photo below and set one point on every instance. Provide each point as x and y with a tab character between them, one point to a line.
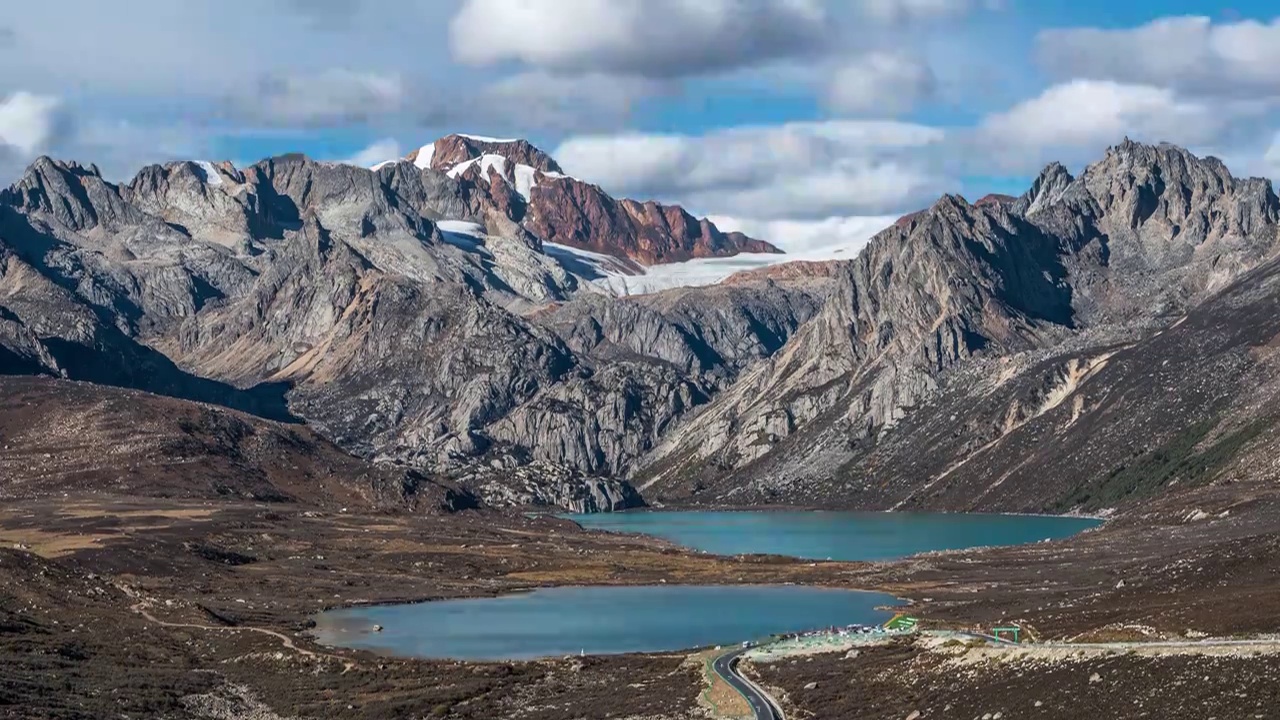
1089	343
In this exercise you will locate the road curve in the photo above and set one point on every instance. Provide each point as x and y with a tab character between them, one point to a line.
726	666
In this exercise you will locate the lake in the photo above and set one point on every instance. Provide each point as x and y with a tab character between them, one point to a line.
554	622
821	535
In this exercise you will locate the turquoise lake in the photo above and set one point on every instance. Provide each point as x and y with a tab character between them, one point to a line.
818	535
553	622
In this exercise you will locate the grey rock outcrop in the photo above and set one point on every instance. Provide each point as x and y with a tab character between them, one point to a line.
322	292
1137	240
327	294
550	486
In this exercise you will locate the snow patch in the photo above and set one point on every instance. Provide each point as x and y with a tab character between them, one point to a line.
487	139
466	235
595	267
425	153
526	176
208	172
461	227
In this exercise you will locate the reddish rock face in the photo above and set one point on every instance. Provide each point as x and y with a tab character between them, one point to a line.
491	191
568	211
575	213
452	150
907	219
995	199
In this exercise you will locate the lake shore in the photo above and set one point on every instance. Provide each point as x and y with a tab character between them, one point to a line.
230	571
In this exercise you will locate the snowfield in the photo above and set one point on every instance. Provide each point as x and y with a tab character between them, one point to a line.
836	239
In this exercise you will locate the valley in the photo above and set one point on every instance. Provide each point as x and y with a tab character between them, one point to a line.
234	398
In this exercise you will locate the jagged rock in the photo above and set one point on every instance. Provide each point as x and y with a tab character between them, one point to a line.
328	294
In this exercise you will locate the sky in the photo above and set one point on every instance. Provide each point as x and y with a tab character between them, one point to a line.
767	114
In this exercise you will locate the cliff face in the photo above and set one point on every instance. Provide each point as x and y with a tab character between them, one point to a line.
948	352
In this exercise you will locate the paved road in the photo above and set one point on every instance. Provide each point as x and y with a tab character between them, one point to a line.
726	666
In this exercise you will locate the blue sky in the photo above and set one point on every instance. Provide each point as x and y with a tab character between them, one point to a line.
764	111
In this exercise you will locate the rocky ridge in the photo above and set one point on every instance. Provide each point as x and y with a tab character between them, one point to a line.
323	293
982	322
311	291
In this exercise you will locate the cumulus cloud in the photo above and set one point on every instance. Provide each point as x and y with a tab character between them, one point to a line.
119	148
29	123
1190	54
880	83
837	238
1084	111
798	170
376	152
1088	115
332	97
536	99
651	38
895	11
1272	157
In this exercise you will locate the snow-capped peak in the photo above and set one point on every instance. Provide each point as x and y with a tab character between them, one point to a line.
487	139
524	177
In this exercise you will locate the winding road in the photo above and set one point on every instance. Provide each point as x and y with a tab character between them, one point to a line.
141	607
765	707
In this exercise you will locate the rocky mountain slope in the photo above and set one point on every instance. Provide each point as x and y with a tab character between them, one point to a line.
931	371
971	347
60	436
299	290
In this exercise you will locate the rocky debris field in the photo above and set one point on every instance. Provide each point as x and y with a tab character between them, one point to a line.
905	682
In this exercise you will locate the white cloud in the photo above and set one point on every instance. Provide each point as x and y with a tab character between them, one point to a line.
377	151
652	38
824	239
1088	115
1191	54
792	171
1272	157
332	97
29	123
893	11
880	83
538	99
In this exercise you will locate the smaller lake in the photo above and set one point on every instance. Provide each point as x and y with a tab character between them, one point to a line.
835	535
554	622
